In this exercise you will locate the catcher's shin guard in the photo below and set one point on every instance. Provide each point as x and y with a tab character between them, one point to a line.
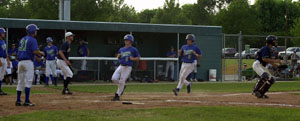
265	88
260	84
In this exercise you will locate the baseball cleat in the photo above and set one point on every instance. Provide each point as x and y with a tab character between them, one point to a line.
257	94
189	87
176	90
263	97
2	93
29	104
116	98
19	104
123	89
66	91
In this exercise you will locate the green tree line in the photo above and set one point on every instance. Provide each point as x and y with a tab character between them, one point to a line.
278	17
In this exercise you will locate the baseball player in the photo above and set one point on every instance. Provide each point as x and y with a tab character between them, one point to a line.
259	66
63	61
39	69
28	47
126	56
3	58
83	51
189	52
50	54
170	64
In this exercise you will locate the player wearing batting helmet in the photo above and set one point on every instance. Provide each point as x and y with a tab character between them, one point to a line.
28	48
3	57
259	66
189	53
50	55
126	56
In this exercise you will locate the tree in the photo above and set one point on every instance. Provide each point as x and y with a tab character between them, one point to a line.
145	16
295	31
84	10
17	9
170	14
43	9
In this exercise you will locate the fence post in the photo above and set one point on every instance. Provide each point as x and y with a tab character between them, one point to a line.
178	35
154	71
7	40
240	43
98	70
223	58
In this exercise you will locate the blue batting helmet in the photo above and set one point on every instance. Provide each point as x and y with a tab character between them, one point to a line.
190	37
270	39
129	37
31	28
49	39
2	30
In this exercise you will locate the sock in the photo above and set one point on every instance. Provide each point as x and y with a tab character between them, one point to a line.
27	94
36	78
47	80
65	84
19	96
68	81
0	84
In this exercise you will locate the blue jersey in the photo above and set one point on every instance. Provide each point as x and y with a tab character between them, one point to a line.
172	53
264	52
3	53
50	52
27	45
12	52
38	64
125	55
187	53
82	50
65	48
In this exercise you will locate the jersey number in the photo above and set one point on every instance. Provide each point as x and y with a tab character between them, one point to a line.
23	45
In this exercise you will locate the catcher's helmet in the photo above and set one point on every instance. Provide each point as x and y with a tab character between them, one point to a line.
31	28
129	37
270	39
190	37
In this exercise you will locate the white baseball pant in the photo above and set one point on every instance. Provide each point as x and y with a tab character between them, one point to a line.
51	68
170	66
3	68
186	69
38	73
260	69
120	76
64	68
25	74
195	66
83	65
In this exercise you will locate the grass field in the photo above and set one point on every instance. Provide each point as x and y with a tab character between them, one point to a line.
198	113
203	113
231	65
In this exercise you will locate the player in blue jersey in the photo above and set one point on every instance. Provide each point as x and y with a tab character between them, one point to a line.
170	64
50	55
126	56
28	47
3	58
189	53
83	51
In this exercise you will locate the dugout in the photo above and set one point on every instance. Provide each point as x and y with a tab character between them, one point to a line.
104	38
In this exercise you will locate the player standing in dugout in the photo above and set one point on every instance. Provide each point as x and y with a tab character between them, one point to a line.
259	66
63	62
189	53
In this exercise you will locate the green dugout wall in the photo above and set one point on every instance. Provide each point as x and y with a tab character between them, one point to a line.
105	38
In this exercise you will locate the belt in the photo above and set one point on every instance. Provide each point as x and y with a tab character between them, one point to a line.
124	65
24	59
188	62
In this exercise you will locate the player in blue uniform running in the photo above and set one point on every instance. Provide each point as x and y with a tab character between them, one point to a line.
126	56
189	53
50	54
28	47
